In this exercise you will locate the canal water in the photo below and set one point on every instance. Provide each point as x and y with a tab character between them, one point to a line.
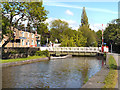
60	73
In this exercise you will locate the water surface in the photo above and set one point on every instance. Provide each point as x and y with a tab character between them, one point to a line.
59	73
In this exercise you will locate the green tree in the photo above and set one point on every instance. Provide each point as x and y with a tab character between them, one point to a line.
5	26
112	35
86	31
36	16
57	29
89	34
11	10
34	12
71	42
80	40
84	18
99	37
65	41
66	36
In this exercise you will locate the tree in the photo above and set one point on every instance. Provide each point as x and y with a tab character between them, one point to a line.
5	26
36	15
112	35
57	29
11	10
80	40
89	34
71	42
99	37
65	41
73	38
84	18
34	12
86	31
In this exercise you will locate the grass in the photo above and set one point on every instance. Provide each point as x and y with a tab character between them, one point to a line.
112	63
86	79
111	78
21	59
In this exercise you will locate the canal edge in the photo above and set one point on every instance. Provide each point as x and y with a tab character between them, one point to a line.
24	62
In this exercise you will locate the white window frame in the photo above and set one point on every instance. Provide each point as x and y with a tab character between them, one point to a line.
22	42
28	42
22	34
28	34
32	42
32	35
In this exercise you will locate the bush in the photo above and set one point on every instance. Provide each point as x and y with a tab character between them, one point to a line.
46	53
13	52
41	53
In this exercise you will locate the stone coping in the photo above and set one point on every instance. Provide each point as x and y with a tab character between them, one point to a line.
24	62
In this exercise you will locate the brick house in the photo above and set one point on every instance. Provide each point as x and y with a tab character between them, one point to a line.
23	39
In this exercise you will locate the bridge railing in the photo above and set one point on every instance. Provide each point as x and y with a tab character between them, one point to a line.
71	49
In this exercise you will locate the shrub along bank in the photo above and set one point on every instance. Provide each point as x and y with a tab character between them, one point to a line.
38	54
41	53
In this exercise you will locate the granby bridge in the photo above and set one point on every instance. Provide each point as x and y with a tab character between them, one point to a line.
85	51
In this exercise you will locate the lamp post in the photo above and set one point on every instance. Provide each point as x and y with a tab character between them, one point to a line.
102	40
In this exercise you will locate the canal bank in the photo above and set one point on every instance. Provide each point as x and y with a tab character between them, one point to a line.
24	62
107	77
97	80
16	63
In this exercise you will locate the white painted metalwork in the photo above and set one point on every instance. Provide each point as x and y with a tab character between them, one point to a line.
71	49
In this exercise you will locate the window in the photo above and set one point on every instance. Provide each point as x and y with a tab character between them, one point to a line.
22	34
28	42
32	35
4	40
28	34
17	40
32	42
22	42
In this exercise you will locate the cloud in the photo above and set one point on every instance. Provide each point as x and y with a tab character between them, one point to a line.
58	4
75	25
68	12
97	27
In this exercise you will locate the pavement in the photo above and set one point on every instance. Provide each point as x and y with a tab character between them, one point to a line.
97	80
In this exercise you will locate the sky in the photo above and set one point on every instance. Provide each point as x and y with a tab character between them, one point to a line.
98	13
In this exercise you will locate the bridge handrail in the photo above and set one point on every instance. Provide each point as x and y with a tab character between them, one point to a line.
71	49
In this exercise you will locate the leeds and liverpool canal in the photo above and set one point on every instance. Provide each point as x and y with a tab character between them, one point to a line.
60	73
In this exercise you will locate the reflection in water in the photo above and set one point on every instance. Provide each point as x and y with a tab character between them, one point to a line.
60	73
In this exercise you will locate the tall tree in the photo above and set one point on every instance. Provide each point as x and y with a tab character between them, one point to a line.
86	31
99	37
84	18
89	34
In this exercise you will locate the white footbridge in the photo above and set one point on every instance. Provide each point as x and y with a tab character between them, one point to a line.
71	49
